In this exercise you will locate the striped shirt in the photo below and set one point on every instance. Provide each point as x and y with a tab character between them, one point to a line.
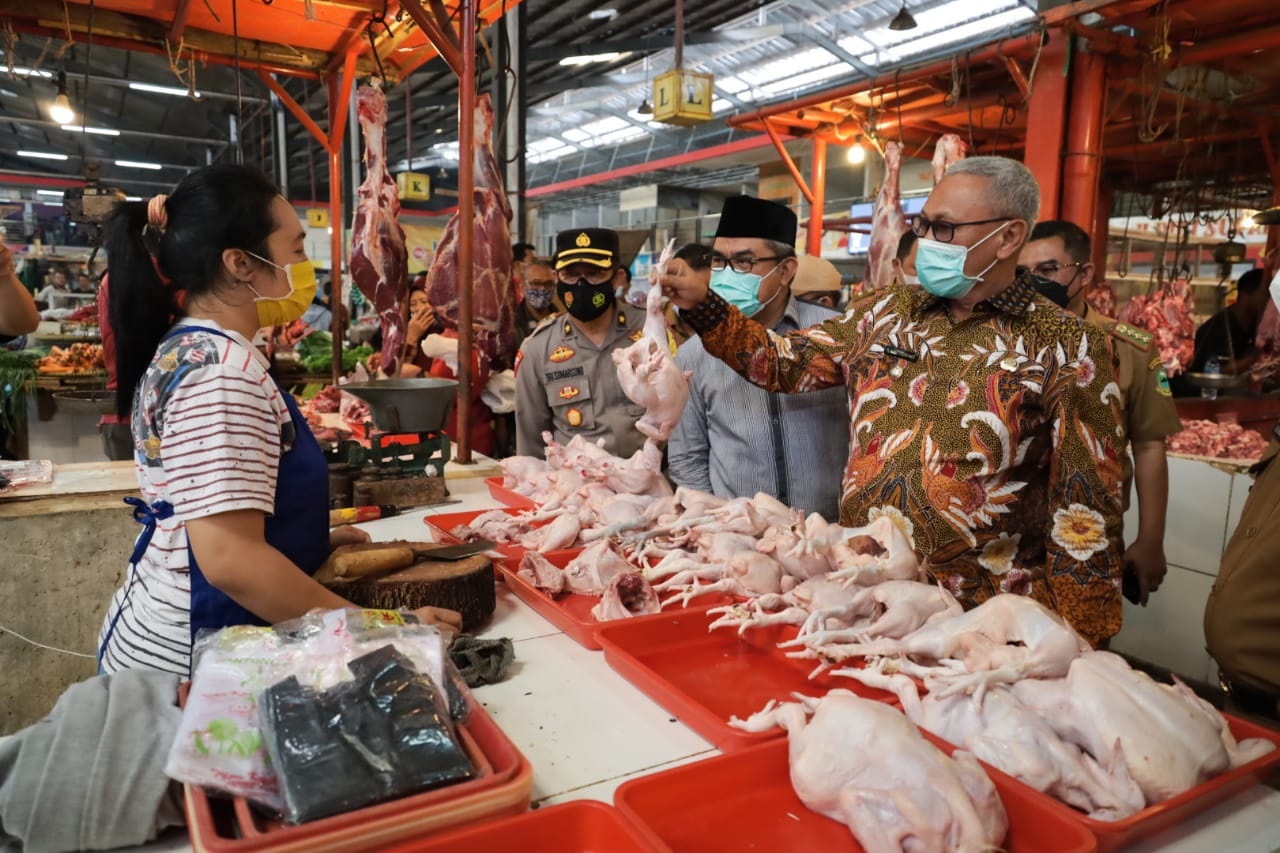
209	425
736	439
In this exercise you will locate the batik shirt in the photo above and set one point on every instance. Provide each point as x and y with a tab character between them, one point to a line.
992	442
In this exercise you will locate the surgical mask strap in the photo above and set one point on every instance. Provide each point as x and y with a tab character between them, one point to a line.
979	276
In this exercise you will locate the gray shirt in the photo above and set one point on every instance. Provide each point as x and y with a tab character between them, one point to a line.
568	386
736	439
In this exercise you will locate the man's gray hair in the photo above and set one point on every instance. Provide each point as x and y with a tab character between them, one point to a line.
1013	189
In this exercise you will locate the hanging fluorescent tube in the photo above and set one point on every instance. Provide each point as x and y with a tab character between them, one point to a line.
42	155
134	164
19	71
55	193
163	90
133	198
101	131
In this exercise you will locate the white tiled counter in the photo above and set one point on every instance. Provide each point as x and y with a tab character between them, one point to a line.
1205	500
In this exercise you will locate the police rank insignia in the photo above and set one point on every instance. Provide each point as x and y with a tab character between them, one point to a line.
561	353
574	417
568	392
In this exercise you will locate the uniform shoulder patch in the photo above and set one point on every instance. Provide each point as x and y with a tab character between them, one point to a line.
1133	335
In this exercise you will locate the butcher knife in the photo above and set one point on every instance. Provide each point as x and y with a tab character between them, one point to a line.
372	561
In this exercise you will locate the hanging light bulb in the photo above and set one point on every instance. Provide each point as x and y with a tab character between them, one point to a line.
903	20
857	151
60	110
645	108
441	174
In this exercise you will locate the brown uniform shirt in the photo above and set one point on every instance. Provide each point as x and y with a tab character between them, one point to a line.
568	386
1242	616
1145	398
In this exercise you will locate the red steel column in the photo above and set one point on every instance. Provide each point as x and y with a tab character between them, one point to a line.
1101	227
1046	121
466	222
817	205
1082	164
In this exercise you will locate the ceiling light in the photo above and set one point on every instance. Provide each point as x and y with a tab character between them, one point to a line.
55	193
857	151
586	59
134	164
60	110
441	174
133	198
645	108
101	131
903	20
19	71
42	155
164	90
601	14
439	130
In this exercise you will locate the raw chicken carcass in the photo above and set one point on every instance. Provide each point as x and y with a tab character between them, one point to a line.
379	259
493	297
888	222
647	372
950	150
627	595
1170	739
878	552
1007	735
814	599
591	572
891	610
542	573
864	764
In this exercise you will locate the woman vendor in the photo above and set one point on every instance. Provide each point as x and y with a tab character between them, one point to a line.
234	486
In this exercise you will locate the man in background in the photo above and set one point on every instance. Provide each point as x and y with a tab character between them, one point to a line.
736	439
1059	252
817	282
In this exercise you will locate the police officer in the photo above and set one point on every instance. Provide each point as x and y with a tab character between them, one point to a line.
566	381
1059	253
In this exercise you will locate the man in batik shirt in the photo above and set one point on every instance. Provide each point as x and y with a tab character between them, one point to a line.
985	419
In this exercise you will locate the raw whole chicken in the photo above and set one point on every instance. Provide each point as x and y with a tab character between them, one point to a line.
1170	739
1006	638
591	572
647	372
814	599
878	552
888	222
889	610
493	296
1003	732
560	533
862	763
627	595
379	259
950	150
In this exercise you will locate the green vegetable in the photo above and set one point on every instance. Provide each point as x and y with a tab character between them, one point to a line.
315	354
17	373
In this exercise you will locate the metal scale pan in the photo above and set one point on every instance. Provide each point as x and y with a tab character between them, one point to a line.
407	405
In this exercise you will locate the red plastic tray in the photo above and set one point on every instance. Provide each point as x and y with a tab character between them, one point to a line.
221	825
1114	835
705	677
582	826
572	613
503	495
744	801
511	554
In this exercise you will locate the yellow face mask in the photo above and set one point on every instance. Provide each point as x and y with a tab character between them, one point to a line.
283	310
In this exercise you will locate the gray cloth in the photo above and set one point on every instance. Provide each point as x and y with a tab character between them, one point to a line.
481	662
736	439
90	776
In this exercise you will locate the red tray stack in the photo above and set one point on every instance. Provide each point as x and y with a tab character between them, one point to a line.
582	826
506	496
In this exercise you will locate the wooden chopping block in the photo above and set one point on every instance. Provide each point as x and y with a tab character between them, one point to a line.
465	585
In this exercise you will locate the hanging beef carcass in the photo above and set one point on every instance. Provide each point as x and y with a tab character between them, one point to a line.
1166	314
379	259
949	151
493	298
888	223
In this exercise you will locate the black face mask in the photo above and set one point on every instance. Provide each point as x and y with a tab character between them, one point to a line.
584	300
1057	293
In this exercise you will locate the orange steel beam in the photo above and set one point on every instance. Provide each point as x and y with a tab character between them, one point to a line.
817	205
443	43
1272	259
339	97
179	24
1047	112
1019	76
298	112
1238	47
1082	165
338	108
445	22
788	162
352	41
466	223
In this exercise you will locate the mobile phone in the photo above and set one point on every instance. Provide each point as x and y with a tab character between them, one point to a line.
1129	586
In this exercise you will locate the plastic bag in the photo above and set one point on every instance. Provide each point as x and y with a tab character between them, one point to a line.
378	736
14	475
499	392
219	742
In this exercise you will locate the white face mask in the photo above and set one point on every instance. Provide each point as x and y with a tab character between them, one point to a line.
1275	289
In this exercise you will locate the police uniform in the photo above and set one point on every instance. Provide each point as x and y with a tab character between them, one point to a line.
1242	615
568	386
1149	411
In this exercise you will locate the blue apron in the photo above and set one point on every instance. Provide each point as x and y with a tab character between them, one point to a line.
298	526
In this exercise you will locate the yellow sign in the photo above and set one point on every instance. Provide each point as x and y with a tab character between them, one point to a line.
317	217
682	97
414	186
421	242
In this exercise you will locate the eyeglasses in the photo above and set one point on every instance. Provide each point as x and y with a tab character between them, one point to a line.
943	231
1050	269
739	263
593	276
